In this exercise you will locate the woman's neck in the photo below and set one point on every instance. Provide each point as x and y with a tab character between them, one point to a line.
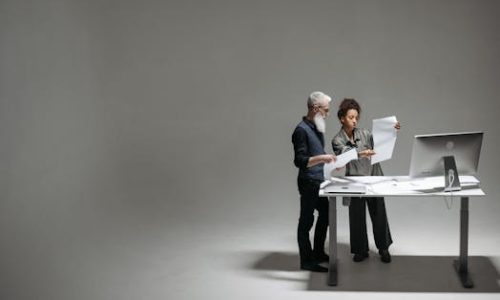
350	133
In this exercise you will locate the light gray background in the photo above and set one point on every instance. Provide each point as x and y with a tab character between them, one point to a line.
145	146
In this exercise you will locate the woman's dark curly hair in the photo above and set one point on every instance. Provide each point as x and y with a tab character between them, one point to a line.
346	105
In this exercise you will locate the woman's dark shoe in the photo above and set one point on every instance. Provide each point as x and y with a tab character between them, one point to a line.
359	256
385	256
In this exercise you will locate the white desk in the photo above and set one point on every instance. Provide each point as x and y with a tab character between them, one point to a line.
402	186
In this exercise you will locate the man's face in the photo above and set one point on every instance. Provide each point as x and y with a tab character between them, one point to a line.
323	109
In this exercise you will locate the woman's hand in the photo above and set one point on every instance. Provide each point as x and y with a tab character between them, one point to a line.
366	153
397	126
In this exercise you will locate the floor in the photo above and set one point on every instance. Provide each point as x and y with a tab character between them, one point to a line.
222	250
256	257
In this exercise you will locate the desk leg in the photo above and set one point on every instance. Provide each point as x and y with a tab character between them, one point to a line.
461	264
332	218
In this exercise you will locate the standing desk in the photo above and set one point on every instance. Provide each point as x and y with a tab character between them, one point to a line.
403	186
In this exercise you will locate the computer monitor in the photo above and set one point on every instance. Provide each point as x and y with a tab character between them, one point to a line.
429	151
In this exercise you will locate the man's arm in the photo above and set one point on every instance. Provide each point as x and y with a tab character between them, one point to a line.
320	159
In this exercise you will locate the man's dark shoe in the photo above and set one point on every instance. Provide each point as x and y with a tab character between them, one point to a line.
359	256
385	256
314	267
323	257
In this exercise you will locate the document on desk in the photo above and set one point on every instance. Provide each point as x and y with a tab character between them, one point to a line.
342	160
384	138
425	185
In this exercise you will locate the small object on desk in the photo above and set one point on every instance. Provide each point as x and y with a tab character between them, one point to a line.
451	180
345	188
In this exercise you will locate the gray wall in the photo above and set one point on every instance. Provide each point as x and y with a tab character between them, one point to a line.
123	120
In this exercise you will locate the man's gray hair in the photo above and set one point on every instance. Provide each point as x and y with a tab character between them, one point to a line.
318	98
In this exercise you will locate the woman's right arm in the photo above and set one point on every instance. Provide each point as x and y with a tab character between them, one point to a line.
339	145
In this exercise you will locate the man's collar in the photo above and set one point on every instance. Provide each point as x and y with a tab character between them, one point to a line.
310	123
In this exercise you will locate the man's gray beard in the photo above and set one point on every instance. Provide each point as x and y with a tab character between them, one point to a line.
320	123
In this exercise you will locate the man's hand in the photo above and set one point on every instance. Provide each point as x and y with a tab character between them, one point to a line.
328	158
321	159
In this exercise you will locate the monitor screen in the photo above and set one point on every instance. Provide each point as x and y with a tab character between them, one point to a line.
429	150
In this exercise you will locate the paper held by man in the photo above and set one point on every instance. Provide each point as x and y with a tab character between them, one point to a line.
342	160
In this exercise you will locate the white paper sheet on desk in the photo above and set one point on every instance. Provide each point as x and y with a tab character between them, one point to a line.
384	138
419	185
342	160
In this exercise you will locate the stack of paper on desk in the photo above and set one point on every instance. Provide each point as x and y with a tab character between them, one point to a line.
387	185
405	185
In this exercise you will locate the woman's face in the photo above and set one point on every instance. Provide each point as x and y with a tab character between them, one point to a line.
350	121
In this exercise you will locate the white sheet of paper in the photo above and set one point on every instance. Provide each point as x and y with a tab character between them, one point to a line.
342	160
384	138
419	185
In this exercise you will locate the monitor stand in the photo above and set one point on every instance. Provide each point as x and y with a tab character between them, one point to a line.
451	179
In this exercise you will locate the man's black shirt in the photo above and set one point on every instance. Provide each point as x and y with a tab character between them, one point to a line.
299	140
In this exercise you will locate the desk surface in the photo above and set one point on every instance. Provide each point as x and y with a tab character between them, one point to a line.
404	186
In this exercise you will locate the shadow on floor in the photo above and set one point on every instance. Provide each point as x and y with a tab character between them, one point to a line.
404	274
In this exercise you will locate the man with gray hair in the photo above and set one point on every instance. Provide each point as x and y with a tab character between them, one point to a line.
310	156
